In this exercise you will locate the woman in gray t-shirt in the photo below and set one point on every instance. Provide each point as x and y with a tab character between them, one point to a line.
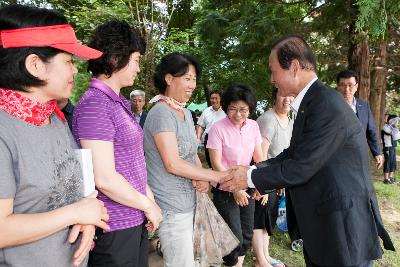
276	131
41	180
173	167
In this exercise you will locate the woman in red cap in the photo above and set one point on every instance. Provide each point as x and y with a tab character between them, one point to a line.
42	209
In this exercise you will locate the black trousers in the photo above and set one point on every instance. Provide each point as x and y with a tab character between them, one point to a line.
239	219
207	154
367	263
390	164
121	248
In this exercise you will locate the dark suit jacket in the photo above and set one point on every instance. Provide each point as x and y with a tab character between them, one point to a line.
366	118
143	118
326	171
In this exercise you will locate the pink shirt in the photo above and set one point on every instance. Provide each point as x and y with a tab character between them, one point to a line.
237	145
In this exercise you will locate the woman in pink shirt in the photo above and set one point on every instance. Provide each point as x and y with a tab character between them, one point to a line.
236	140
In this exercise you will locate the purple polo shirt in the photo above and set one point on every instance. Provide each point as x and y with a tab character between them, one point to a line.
103	115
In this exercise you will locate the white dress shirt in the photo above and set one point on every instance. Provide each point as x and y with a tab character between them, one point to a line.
208	118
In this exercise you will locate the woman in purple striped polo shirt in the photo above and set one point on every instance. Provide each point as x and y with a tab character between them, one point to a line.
104	123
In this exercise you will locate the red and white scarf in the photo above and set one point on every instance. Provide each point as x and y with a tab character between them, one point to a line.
27	109
169	101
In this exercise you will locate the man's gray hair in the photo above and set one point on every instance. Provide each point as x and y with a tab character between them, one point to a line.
137	93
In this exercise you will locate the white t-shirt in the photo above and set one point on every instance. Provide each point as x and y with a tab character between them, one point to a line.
277	134
208	118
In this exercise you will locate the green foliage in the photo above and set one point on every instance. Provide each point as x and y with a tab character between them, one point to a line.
81	81
151	17
373	17
233	38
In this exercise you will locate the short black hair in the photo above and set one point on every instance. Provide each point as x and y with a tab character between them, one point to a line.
391	116
117	40
176	64
346	74
294	47
215	92
237	92
13	73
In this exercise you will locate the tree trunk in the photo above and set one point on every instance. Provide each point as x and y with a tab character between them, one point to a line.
206	90
378	83
358	58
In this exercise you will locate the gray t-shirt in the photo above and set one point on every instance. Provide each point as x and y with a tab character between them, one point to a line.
40	172
278	135
172	192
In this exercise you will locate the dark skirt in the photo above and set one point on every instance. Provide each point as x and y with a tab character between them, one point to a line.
265	216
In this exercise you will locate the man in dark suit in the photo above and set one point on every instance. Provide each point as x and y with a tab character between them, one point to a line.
347	85
325	170
138	100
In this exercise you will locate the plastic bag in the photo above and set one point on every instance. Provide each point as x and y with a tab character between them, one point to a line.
281	221
212	237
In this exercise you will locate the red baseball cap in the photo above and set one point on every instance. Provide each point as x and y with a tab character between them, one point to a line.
60	36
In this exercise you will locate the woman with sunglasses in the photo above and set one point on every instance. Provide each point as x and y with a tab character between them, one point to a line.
236	140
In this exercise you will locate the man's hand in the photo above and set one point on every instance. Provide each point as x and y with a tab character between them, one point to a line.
88	232
236	180
379	161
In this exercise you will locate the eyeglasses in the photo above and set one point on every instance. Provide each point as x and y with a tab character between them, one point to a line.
344	86
235	110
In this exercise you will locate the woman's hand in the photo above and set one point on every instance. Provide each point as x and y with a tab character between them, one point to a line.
241	198
201	186
154	215
88	232
264	199
90	210
257	196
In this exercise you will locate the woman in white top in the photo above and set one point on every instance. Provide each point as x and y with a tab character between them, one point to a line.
276	131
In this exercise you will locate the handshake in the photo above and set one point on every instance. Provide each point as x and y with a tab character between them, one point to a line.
234	179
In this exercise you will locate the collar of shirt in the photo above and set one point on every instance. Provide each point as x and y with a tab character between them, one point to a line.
108	91
299	98
137	116
234	125
354	105
213	110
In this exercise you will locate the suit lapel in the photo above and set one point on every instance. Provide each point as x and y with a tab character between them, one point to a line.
299	121
359	108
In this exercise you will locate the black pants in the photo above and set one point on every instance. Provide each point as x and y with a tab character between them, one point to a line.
206	151
367	263
239	219
389	165
121	248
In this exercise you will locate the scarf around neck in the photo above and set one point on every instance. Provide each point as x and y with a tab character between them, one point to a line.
27	109
169	101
